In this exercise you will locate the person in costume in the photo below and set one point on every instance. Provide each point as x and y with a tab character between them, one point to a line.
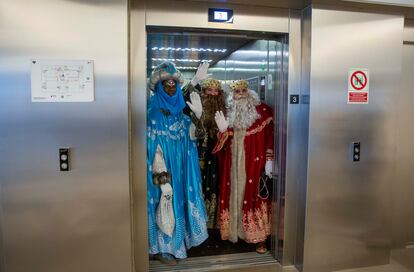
245	151
213	100
176	211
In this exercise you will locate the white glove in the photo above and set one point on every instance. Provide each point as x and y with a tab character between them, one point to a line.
165	211
195	104
201	73
221	121
269	168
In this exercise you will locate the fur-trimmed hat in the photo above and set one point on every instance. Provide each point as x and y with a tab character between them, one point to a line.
239	84
164	71
211	83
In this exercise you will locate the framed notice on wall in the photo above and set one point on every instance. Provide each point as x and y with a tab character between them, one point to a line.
62	80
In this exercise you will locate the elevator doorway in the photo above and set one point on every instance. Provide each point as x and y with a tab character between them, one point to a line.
260	59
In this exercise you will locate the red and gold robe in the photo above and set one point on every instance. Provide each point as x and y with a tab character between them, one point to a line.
242	155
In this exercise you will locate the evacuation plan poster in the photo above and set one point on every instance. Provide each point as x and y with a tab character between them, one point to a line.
62	80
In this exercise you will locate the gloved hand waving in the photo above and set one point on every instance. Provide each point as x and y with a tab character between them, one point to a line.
201	73
195	104
221	121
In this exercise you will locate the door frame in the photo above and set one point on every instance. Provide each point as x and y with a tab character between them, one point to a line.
195	15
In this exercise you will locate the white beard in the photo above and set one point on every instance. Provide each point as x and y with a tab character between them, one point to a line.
242	112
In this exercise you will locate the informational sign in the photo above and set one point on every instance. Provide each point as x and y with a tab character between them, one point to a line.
62	81
220	15
358	86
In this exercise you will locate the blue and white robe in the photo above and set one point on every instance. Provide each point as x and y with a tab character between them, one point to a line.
171	133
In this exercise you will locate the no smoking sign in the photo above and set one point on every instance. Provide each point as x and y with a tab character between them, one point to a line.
358	86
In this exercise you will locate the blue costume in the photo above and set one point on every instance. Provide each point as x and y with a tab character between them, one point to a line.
168	127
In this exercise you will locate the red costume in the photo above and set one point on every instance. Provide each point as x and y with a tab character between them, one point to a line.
242	155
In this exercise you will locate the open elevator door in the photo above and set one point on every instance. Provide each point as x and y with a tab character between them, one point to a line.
260	59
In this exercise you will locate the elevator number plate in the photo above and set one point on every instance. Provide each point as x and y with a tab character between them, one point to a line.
294	99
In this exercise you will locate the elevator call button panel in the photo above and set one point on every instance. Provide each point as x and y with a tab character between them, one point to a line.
356	151
64	159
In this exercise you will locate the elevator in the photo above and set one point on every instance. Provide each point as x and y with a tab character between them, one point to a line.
329	212
255	48
232	55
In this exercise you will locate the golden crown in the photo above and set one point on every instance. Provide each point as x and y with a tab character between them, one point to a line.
211	83
239	84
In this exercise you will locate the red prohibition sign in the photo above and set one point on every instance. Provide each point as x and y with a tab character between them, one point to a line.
362	83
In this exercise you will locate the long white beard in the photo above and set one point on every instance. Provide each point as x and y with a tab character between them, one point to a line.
242	112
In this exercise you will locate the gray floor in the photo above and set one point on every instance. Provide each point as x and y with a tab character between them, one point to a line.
395	267
242	262
401	261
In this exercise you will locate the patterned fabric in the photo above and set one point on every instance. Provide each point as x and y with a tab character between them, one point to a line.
209	171
254	217
171	133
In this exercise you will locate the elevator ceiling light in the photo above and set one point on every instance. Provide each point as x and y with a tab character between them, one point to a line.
181	67
181	60
216	50
241	62
255	53
217	69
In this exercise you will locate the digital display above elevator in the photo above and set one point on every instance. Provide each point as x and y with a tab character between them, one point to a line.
220	15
